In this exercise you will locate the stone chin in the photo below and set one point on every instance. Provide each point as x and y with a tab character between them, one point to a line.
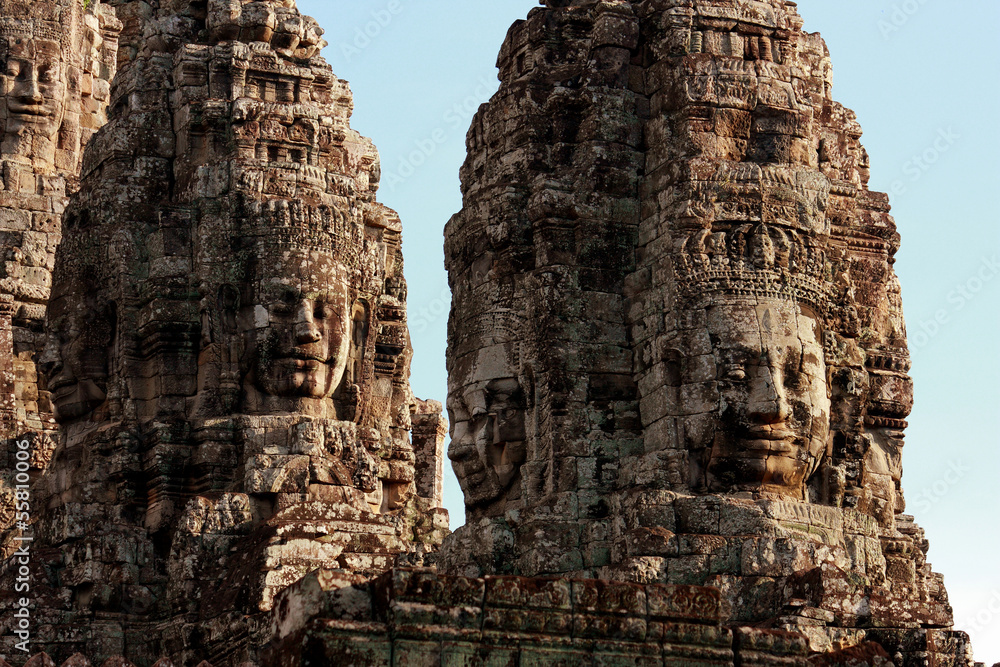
74	400
478	485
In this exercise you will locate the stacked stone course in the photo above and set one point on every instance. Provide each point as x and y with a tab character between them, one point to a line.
677	363
227	351
677	352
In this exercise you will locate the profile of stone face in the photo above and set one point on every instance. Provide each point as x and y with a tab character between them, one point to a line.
77	355
300	338
488	439
490	408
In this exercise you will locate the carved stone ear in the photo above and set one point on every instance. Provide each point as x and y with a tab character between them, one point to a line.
360	334
527	380
229	307
348	395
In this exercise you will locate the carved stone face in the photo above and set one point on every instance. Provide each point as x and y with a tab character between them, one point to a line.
34	88
488	439
302	326
75	359
774	416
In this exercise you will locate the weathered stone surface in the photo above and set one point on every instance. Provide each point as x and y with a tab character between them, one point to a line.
677	362
58	59
227	352
421	617
676	350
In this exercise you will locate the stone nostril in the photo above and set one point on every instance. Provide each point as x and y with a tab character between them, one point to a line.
307	332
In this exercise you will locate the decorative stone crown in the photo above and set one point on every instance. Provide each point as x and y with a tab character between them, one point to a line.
282	226
296	224
754	260
22	21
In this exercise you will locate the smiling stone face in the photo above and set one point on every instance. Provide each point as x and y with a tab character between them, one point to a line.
774	415
301	327
34	90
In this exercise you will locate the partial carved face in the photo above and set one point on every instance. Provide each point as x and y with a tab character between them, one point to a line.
774	417
34	87
302	326
488	439
75	359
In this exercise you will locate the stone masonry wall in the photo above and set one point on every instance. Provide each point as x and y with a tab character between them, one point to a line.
227	350
677	352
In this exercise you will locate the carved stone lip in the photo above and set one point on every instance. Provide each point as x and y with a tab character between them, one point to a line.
302	355
775	432
768	447
60	382
29	110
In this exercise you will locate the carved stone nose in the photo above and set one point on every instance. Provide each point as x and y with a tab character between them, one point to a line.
49	364
30	91
485	434
306	330
768	401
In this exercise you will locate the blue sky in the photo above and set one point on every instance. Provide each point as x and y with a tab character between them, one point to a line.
921	75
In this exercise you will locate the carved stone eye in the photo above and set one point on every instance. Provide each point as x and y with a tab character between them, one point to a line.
286	301
322	311
735	373
13	68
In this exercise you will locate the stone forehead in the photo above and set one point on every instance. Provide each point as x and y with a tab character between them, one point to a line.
766	324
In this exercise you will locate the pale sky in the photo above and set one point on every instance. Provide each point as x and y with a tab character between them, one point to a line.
922	77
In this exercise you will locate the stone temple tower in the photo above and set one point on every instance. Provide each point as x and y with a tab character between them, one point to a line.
677	353
227	355
677	367
58	60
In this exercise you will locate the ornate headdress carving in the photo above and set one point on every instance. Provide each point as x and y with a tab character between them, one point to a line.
755	260
59	24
